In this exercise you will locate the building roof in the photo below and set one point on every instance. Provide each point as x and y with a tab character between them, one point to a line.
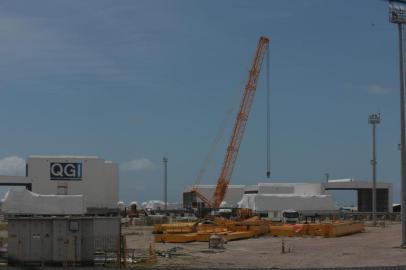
352	185
65	157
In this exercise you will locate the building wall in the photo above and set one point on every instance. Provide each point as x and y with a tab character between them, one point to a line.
314	204
365	200
98	183
275	188
309	189
291	188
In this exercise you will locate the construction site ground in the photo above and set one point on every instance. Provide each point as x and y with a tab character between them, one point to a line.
377	246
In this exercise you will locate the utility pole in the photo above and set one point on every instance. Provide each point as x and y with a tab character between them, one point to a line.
374	119
397	15
165	160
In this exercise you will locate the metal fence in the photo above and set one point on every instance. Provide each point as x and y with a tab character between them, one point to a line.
403	267
354	216
67	251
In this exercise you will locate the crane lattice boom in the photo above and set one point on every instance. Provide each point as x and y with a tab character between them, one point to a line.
239	124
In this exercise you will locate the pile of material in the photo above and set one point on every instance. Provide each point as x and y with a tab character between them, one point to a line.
253	227
202	230
335	229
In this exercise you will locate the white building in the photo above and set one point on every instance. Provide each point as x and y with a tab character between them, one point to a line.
160	205
90	176
308	198
276	197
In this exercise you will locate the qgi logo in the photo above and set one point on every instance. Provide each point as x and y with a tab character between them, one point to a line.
66	171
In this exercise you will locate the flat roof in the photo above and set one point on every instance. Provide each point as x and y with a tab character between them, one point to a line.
14	180
64	156
338	184
214	186
354	185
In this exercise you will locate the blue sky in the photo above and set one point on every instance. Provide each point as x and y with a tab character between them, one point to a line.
132	81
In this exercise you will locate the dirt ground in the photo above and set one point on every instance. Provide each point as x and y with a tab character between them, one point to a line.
377	246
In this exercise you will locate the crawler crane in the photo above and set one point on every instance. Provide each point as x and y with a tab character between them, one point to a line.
238	129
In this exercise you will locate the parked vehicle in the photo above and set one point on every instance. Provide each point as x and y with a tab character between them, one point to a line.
290	216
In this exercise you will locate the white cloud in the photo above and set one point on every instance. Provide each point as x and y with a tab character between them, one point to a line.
139	164
376	89
12	165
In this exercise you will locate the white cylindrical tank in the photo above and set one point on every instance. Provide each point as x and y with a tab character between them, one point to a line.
133	206
223	204
121	205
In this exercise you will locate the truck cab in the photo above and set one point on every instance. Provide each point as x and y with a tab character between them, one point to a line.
290	216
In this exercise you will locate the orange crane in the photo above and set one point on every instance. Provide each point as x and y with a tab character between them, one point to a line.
238	129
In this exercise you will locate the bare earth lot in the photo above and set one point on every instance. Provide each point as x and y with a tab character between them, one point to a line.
375	247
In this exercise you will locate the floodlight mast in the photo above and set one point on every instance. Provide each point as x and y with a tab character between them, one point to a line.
397	15
374	119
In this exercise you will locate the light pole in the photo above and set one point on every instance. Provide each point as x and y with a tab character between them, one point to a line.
165	160
374	119
397	15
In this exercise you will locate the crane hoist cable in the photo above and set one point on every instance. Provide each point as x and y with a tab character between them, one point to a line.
268	117
219	136
213	148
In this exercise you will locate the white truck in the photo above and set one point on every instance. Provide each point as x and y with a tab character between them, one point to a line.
290	216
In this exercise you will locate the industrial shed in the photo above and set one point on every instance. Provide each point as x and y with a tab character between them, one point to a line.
265	197
364	193
307	198
274	204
